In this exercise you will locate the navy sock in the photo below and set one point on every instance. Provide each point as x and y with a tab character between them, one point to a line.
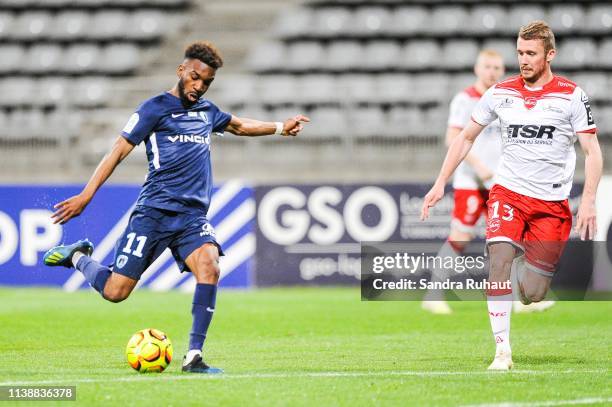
204	299
95	273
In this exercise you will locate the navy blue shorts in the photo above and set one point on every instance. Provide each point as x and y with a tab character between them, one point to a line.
151	230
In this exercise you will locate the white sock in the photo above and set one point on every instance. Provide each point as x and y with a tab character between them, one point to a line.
191	354
440	274
500	308
75	258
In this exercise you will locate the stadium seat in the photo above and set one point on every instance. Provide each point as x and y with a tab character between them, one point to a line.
253	112
53	90
599	18
395	88
317	89
293	22
457	83
326	124
447	20
7	20
70	25
507	49
436	119
381	55
604	59
146	25
430	88
277	89
344	56
595	85
603	119
81	58
486	19
575	53
459	54
369	21
358	88
521	15
565	19
43	58
235	90
408	20
305	56
267	56
90	92
404	122
11	57
17	91
366	122
119	58
107	25
32	25
331	21
420	54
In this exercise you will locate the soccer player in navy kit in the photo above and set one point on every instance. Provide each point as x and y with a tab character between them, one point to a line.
176	127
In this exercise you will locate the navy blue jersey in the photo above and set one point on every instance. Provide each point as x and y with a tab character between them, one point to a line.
178	148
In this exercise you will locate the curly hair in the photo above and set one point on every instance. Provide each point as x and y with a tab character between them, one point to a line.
205	52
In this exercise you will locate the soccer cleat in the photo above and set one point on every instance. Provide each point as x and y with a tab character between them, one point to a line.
521	308
439	307
502	361
197	365
62	255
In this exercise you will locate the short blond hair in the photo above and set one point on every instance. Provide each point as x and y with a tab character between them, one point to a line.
538	30
488	52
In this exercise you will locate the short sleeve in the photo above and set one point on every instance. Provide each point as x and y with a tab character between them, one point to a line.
141	123
460	111
220	120
484	112
581	115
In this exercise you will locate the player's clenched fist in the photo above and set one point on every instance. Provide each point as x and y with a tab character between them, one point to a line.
431	199
291	127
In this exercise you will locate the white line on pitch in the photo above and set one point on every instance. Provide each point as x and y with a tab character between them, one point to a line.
590	400
281	375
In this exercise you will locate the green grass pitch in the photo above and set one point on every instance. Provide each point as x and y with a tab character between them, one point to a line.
308	346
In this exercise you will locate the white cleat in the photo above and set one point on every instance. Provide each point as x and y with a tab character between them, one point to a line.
521	308
439	307
502	361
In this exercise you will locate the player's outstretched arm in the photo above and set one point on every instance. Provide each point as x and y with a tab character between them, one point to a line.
586	220
241	126
458	150
73	206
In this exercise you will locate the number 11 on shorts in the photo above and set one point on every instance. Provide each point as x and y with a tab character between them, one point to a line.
141	242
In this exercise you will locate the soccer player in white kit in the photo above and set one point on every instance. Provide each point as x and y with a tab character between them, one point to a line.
541	115
474	176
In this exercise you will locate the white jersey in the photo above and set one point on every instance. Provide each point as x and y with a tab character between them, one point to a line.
486	148
539	127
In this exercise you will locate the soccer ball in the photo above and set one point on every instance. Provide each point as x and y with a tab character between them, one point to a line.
149	350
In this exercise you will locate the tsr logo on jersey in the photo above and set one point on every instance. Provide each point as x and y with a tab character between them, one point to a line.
530	131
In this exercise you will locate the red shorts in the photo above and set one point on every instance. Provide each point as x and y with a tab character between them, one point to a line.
470	204
538	228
